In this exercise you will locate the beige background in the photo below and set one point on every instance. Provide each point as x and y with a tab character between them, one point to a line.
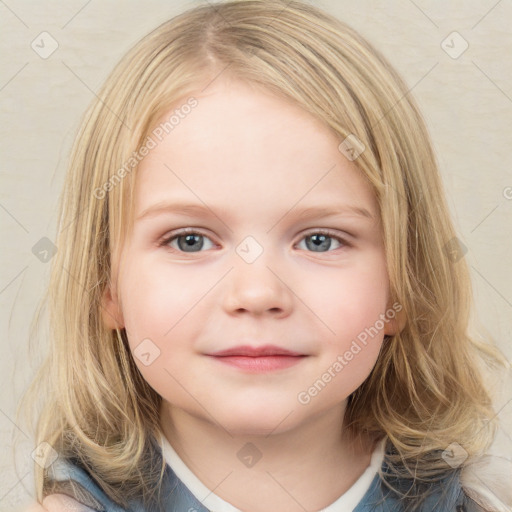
467	102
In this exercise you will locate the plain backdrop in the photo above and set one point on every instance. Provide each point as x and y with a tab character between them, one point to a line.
465	96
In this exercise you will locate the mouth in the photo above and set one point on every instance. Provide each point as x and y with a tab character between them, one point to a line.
258	359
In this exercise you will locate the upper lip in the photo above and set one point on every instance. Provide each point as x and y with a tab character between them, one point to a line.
250	351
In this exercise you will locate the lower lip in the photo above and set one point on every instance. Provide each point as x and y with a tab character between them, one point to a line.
260	364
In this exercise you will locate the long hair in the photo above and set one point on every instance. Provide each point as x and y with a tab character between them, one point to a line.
427	389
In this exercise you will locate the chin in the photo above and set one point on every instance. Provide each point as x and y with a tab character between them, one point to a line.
258	420
248	429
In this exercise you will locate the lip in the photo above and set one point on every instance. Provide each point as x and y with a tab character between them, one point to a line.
250	351
258	359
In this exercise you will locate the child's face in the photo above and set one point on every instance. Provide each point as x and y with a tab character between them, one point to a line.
255	273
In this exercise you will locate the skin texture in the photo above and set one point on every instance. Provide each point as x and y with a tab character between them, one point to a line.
256	161
59	503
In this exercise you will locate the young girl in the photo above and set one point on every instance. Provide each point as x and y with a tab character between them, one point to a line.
312	352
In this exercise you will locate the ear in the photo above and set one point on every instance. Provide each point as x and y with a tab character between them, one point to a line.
111	310
395	325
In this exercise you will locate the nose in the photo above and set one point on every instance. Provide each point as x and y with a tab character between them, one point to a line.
258	288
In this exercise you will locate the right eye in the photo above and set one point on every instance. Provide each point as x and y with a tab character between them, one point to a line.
186	240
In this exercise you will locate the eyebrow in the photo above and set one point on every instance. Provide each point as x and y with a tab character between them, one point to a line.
203	210
322	211
180	208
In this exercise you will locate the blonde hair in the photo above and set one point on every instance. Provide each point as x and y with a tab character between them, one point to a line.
426	390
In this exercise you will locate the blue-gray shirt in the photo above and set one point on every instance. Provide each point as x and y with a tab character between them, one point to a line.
68	477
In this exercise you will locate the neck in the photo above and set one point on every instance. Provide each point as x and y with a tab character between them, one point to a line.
304	468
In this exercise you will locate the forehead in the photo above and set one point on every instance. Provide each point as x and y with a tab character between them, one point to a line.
248	149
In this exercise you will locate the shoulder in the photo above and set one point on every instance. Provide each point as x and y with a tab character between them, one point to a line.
35	507
467	504
62	503
67	477
445	494
486	481
68	486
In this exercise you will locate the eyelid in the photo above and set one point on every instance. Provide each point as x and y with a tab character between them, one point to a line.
182	232
344	239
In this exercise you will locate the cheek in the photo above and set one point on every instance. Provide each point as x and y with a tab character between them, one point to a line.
351	307
156	305
155	298
350	300
164	312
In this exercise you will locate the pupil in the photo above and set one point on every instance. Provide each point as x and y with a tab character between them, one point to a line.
321	241
191	242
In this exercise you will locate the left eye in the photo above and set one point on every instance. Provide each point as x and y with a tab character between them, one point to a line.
192	241
322	241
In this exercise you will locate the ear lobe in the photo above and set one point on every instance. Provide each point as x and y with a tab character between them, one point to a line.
110	310
395	325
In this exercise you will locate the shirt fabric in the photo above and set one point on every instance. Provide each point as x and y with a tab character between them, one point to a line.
69	477
345	503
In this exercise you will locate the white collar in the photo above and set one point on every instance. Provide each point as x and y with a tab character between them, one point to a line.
346	502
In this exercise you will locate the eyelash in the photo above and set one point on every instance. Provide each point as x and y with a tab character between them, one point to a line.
192	231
